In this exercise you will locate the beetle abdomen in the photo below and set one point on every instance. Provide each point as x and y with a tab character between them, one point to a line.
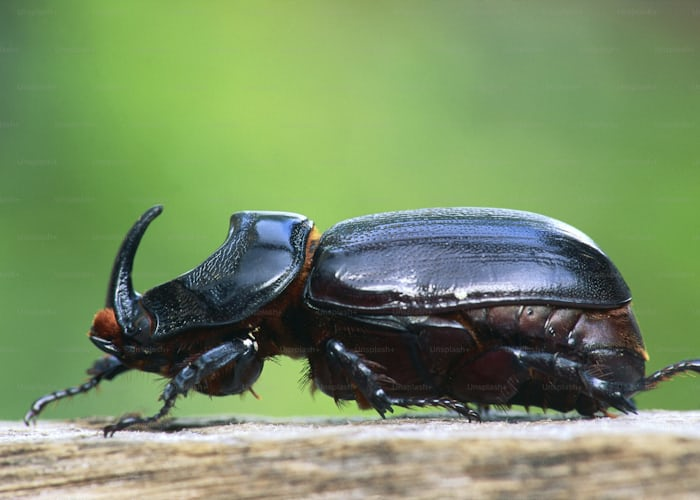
420	261
578	332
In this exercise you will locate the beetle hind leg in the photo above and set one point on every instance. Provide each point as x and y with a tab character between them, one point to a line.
608	393
573	373
689	365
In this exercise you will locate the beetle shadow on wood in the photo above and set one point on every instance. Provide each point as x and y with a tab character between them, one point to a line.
172	425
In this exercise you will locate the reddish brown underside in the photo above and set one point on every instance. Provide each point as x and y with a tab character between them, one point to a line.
105	326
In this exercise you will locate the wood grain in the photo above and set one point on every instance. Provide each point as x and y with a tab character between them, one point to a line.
652	454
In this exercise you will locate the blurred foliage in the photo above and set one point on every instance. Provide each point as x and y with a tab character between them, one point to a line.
587	112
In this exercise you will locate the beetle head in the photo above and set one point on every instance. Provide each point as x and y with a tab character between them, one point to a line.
124	318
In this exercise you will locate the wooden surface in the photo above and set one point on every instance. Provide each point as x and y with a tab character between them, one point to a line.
654	454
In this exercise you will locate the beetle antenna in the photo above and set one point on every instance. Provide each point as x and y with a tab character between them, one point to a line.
689	365
120	294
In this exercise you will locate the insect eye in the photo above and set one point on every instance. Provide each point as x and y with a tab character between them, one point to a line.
140	326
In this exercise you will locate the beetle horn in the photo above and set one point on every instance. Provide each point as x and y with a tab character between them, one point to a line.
121	295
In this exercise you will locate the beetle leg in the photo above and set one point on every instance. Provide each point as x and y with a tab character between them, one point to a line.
105	368
241	351
608	393
447	403
364	378
690	365
367	383
572	372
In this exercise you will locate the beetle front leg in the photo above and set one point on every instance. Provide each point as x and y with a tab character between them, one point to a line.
368	383
239	351
105	368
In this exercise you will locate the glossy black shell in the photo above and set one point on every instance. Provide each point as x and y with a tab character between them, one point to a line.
419	261
263	253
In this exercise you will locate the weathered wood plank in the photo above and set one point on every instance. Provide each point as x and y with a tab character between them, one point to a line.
650	455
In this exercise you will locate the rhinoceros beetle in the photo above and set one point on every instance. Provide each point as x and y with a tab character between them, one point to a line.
434	307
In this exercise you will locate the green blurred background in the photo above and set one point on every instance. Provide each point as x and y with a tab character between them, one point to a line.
585	112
